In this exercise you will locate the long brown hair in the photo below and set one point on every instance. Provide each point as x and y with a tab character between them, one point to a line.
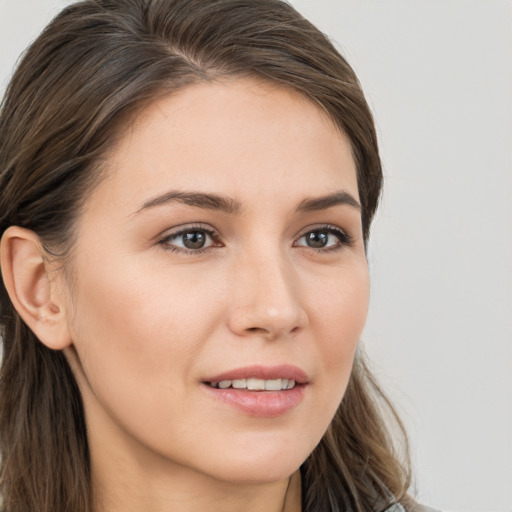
94	67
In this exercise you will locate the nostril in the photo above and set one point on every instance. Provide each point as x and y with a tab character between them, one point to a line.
258	330
272	333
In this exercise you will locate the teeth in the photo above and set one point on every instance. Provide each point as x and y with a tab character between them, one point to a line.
239	384
273	385
253	384
256	384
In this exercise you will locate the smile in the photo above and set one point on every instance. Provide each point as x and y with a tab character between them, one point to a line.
260	391
254	384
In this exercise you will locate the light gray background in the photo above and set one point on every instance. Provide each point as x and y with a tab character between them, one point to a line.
438	75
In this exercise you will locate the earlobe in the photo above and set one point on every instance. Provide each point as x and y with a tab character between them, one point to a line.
26	274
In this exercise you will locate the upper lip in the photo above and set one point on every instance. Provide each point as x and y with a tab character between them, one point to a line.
284	371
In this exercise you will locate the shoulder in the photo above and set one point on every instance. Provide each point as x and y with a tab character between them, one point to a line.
415	508
423	508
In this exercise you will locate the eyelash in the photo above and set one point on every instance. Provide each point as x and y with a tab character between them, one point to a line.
343	239
165	241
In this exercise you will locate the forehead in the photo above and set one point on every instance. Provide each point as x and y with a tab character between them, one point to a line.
250	138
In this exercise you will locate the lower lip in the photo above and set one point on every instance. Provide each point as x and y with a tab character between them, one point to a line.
263	404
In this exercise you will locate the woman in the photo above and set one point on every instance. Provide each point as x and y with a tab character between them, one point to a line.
187	192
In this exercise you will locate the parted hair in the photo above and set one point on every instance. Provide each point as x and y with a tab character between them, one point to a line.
94	68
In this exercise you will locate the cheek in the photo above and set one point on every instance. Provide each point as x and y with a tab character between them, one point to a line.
122	326
341	305
129	302
137	339
139	330
339	318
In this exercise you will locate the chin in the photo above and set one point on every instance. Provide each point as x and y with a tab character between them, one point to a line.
247	475
264	465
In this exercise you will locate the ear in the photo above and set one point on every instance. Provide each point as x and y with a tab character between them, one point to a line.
27	275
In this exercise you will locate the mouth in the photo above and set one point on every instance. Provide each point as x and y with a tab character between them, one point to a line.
255	384
259	378
265	392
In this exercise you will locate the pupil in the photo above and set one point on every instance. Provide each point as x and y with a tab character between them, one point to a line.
317	239
194	240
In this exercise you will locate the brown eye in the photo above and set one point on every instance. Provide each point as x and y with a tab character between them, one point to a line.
324	238
194	239
189	240
316	239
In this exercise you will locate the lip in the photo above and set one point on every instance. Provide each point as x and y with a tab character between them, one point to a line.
262	404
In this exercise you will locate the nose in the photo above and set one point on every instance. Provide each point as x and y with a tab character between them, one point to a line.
266	299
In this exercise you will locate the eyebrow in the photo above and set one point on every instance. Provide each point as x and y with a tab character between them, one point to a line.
328	201
197	199
231	206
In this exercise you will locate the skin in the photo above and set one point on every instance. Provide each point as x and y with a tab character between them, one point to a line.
148	320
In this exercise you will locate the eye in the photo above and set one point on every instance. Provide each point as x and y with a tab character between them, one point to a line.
191	240
324	238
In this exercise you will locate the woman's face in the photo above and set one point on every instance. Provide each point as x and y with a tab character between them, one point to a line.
221	254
